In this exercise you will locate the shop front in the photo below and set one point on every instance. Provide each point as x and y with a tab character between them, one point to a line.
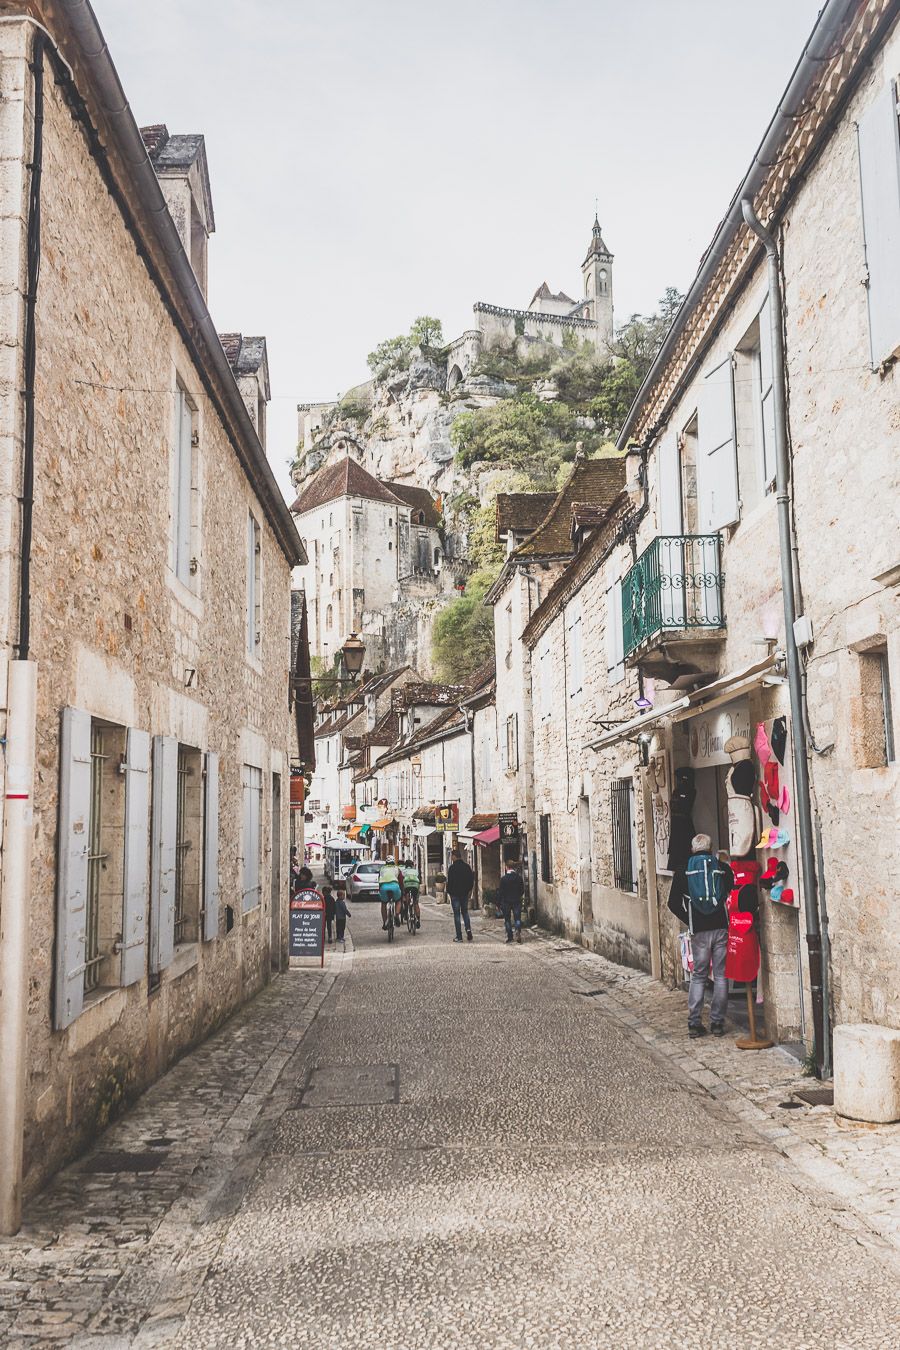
482	836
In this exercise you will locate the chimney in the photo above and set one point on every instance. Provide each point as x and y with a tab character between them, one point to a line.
180	165
250	366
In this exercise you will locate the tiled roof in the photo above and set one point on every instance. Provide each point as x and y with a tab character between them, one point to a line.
429	694
595	482
345	478
482	820
420	499
544	292
522	511
425	813
385	731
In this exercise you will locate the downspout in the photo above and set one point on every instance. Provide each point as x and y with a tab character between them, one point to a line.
795	680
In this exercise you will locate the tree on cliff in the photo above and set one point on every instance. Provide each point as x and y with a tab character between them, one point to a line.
394	353
463	634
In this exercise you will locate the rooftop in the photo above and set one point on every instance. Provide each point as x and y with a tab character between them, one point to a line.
521	512
592	482
419	499
345	478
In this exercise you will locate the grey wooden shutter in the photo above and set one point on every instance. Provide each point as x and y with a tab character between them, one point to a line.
668	485
717	467
135	885
767	392
164	830
184	453
615	636
879	173
211	849
72	863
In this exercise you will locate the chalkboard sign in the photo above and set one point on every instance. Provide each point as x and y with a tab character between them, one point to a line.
307	925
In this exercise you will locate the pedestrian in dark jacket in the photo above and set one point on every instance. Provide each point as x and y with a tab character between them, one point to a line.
341	915
707	917
330	910
509	894
460	880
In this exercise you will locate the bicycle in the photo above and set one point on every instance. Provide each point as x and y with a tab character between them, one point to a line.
390	921
409	912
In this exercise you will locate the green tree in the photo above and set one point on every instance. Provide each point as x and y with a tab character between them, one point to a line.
426	332
463	633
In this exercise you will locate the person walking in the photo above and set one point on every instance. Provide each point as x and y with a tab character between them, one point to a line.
330	911
698	899
341	915
460	880
510	893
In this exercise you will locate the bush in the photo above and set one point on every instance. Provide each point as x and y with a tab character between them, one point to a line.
463	634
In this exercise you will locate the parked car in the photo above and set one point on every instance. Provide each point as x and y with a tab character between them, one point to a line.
362	880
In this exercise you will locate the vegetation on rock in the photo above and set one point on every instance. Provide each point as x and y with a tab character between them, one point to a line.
394	353
463	635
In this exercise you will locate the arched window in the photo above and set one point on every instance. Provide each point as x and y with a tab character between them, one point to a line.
329	616
421	517
587	283
437	557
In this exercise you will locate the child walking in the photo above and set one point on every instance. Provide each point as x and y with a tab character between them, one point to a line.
341	915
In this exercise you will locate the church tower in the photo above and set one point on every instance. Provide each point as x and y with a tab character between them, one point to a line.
597	271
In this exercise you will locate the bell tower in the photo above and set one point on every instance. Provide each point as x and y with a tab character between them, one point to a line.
597	272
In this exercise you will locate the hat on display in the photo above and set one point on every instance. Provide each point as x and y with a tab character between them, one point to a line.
684	774
774	838
761	744
786	897
784	800
779	738
768	875
738	747
743	778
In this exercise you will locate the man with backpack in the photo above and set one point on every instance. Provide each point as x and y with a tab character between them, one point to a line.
699	899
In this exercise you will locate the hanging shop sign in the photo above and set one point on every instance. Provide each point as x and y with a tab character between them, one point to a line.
708	733
298	790
509	826
446	817
307	925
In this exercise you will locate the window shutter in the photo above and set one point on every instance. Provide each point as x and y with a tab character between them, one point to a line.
615	637
767	392
135	883
183	475
72	865
164	830
879	172
211	849
717	467
668	485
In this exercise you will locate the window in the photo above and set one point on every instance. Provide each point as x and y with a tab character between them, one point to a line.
623	843
669	513
878	747
390	545
511	747
575	654
879	173
106	824
254	588
508	626
545	675
329	616
184	564
546	848
251	837
188	844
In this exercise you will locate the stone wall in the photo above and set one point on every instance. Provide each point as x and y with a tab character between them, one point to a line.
114	632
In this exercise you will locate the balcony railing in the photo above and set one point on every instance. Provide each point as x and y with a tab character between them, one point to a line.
674	587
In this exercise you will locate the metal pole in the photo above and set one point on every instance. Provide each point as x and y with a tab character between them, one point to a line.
15	922
798	730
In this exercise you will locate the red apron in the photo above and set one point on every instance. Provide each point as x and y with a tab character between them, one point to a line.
742	961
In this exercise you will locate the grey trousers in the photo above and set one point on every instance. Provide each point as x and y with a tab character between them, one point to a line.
712	945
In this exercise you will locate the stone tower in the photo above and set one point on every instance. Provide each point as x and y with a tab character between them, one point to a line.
597	271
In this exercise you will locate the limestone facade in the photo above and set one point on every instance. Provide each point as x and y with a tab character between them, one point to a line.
159	628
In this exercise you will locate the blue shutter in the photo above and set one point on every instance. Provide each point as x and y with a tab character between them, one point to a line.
164	832
211	849
668	485
135	885
72	863
879	173
717	484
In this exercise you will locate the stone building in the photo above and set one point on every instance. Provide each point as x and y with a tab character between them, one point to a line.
729	622
376	564
144	611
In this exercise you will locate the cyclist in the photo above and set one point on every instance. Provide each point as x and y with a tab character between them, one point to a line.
389	889
411	889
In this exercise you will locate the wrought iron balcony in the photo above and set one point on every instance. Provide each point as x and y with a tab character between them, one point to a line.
673	591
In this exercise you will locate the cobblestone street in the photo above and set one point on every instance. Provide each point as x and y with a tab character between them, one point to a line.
435	1145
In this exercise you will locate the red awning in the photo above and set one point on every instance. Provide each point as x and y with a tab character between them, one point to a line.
486	837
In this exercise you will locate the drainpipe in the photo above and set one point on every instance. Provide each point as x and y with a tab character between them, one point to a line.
15	930
799	739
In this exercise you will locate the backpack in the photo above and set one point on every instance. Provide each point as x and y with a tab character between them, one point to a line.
705	882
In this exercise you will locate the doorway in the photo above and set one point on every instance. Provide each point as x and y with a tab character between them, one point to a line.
275	907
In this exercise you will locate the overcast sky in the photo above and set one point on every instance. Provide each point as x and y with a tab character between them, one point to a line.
372	160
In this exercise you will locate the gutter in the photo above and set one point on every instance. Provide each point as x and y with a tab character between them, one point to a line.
208	352
818	49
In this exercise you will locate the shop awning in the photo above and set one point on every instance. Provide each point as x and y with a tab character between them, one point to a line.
491	836
729	686
637	724
353	832
382	824
482	820
424	831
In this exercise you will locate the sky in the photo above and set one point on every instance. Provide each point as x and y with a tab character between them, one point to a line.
373	160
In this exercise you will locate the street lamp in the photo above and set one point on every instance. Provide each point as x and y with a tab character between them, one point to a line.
353	654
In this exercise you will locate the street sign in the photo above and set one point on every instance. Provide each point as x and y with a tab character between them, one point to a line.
509	825
447	817
307	925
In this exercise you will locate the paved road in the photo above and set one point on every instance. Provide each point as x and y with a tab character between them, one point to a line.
473	1154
